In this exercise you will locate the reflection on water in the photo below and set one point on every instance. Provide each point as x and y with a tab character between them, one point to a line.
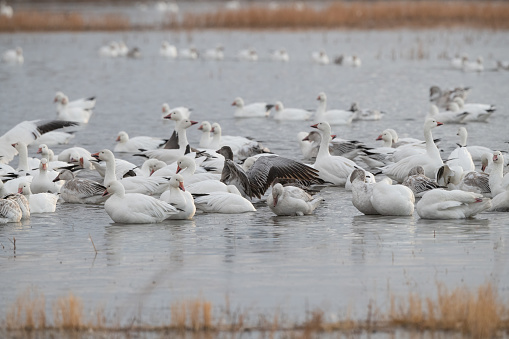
335	258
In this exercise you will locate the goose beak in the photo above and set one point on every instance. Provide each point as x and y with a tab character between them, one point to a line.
13	145
333	136
118	138
314	126
495	157
178	169
193	122
181	186
483	167
39	150
168	116
95	155
379	137
105	193
275	200
306	138
151	172
57	178
20	190
55	100
44	166
212	129
201	127
439	123
234	104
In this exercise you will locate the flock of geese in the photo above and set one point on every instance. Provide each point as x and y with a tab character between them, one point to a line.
226	174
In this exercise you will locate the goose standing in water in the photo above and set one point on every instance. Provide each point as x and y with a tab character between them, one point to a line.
177	196
262	173
135	208
456	204
291	200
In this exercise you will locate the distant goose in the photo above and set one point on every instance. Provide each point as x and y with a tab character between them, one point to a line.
454	116
167	50
320	57
263	172
249	54
365	114
348	60
135	208
473	66
13	56
84	103
456	204
291	200
477	112
188	53
333	117
80	190
310	144
253	110
214	53
282	113
131	145
70	113
280	55
241	147
476	152
458	61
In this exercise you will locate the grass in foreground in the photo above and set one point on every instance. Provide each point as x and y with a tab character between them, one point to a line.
478	314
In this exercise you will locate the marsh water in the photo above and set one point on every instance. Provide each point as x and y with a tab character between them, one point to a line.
337	259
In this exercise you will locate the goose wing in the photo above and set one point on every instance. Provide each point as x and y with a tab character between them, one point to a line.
234	174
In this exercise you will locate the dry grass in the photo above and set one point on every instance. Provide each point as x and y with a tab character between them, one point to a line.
359	15
476	314
31	21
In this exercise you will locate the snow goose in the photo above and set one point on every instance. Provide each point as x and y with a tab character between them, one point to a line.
9	211
365	114
498	181
456	204
214	53
361	192
131	145
231	202
454	116
333	169
248	54
262	173
502	65
380	156
84	103
333	117
348	60
477	112
205	139
455	178
167	50
252	110
190	53
133	184
441	98
320	57
80	190
388	199
183	111
6	10
55	138
500	203
135	208
418	182
310	144
13	56
171	155
110	50
76	114
476	152
177	196
461	158
186	166
430	161
40	202
25	164
282	113
207	186
398	142
27	132
473	66
280	55
240	146
22	202
457	61
43	181
291	200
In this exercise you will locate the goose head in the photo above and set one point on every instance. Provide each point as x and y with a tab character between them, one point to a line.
64	175
177	181
226	152
24	188
43	149
323	127
185	123
122	137
277	191
278	106
238	102
431	123
175	115
43	165
386	137
205	127
58	96
183	163
216	128
165	108
114	187
321	97
313	136
498	158
105	155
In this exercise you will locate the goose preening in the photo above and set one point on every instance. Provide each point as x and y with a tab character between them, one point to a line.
131	145
80	190
22	202
168	50
333	117
320	57
418	182
230	202
262	173
13	56
291	200
177	196
456	204
252	110
40	202
135	208
430	161
362	192
27	132
333	169
455	178
9	211
388	199
282	113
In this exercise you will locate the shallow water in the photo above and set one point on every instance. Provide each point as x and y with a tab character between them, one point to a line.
336	259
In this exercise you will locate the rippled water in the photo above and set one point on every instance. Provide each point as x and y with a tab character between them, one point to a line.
334	259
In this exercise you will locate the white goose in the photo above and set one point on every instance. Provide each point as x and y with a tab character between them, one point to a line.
333	169
252	110
70	113
310	144
177	196
498	181
320	57
84	103
333	117
167	50
80	190
362	192
473	66
184	111
40	202
230	202
205	139
456	204
388	199
454	116
500	203
248	54
240	146
186	166
135	208
25	164
365	113
291	200
43	182
131	145
282	113
13	56
476	152
9	211
455	178
280	55
214	53
430	161
54	138
477	112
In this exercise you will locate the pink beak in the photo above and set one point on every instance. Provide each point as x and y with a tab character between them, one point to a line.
105	193
39	151
20	190
193	122
118	138
439	123
168	116
181	186
314	126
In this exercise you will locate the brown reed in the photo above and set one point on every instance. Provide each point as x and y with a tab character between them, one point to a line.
476	314
358	15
